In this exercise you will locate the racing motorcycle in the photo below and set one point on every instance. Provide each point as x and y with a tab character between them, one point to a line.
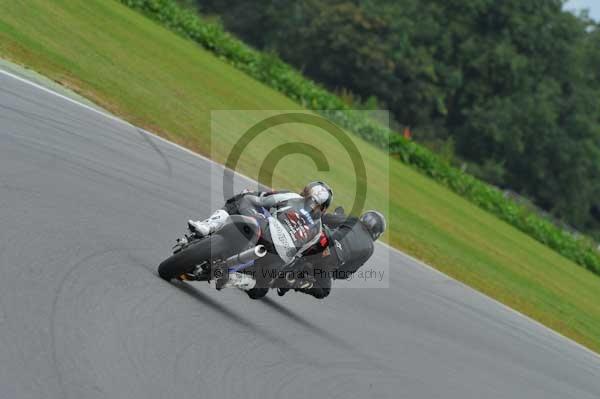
237	255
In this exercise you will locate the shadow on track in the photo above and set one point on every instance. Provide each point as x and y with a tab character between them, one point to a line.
324	334
337	341
194	293
242	321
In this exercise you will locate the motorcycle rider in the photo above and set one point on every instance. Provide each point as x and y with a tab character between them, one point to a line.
346	244
299	214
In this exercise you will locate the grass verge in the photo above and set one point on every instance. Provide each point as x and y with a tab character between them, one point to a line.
156	79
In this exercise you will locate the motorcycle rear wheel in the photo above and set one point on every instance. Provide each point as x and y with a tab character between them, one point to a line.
186	260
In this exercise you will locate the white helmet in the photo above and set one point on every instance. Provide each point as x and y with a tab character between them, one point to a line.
319	192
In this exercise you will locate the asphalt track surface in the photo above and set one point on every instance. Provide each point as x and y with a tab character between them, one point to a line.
88	208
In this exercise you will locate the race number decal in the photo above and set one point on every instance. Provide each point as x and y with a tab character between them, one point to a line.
283	242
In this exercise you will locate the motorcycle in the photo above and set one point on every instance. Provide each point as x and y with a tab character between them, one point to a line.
236	256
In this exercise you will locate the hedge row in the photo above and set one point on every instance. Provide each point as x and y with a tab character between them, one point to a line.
275	73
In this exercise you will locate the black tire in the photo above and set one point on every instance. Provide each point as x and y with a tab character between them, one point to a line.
257	293
185	260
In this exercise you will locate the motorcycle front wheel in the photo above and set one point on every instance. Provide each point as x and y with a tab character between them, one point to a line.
257	293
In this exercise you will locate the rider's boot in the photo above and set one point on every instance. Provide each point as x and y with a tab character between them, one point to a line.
210	225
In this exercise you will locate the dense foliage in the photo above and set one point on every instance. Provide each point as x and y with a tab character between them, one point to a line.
272	71
509	87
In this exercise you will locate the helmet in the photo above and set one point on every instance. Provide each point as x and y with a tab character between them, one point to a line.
319	192
374	222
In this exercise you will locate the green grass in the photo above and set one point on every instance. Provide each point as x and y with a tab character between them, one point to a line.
154	78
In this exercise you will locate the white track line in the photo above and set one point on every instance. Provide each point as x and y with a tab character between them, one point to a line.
417	261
